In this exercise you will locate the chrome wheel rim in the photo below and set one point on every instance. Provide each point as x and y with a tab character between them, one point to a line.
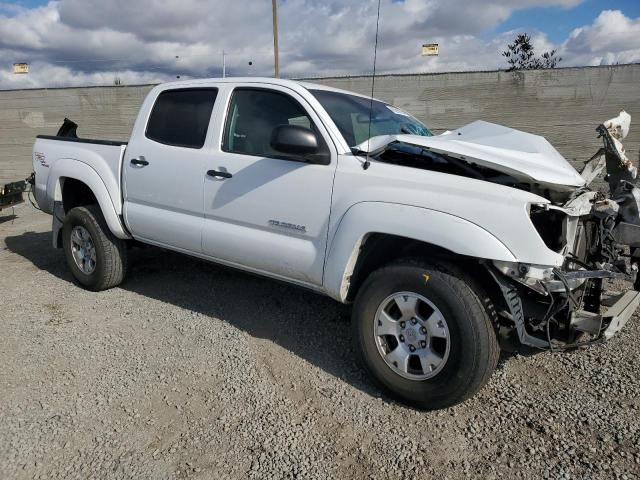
412	336
83	249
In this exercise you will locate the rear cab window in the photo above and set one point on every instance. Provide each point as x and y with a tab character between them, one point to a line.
181	117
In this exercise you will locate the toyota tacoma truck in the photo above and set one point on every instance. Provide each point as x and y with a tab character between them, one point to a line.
448	246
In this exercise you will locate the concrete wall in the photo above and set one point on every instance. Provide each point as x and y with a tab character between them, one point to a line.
564	105
101	112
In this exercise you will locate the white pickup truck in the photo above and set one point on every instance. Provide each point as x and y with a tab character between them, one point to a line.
448	246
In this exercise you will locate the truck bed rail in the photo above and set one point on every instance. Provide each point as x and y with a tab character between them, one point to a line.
113	143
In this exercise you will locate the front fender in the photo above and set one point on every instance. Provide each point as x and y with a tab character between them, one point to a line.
437	228
70	168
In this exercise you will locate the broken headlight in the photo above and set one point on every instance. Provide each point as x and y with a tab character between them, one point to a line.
551	226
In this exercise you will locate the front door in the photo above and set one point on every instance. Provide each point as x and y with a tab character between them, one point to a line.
268	212
165	167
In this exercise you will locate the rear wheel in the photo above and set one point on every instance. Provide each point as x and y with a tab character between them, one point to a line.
97	259
423	334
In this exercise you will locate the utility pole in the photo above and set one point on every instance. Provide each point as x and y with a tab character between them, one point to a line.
274	8
224	64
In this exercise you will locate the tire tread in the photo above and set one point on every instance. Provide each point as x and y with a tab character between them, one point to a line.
463	287
115	263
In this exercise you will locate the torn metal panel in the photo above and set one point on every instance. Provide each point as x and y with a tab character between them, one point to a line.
587	322
580	205
593	167
621	311
516	312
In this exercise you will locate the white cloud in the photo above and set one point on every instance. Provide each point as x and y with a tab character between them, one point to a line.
10	8
75	42
611	38
43	75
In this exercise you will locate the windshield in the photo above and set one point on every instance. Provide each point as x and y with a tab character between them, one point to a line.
350	113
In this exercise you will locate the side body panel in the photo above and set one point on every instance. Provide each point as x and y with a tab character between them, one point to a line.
163	200
463	215
341	203
272	214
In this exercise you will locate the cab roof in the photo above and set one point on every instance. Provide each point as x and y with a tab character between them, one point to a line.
266	80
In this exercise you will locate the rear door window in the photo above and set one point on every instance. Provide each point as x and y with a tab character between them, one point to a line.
181	117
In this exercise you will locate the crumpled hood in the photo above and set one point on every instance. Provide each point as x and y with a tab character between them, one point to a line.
522	155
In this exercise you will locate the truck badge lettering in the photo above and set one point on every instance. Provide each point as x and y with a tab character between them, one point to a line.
291	226
40	157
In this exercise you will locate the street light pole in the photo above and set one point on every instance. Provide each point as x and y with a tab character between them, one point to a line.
274	8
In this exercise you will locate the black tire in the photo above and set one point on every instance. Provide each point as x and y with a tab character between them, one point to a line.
111	252
473	346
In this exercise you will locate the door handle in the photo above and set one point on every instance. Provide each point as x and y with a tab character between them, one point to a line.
218	174
139	162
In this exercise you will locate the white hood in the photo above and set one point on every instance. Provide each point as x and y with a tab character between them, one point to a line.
522	155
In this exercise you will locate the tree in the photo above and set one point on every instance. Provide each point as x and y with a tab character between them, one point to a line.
520	55
550	60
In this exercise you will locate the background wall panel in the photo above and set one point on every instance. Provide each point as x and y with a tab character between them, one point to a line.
564	105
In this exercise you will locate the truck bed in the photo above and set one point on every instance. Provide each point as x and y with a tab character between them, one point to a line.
54	157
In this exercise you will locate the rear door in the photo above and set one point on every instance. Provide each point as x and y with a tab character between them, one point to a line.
270	213
164	168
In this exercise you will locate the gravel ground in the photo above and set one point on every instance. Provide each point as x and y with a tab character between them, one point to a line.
189	370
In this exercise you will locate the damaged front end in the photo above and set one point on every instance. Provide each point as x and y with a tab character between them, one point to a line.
588	299
583	299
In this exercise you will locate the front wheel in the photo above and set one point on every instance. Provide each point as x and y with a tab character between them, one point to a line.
423	334
97	259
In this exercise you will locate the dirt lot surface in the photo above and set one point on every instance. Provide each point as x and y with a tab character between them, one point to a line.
189	370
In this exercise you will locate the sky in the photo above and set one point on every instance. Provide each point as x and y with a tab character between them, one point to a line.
93	42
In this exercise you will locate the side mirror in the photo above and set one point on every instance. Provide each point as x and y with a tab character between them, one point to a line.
294	139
